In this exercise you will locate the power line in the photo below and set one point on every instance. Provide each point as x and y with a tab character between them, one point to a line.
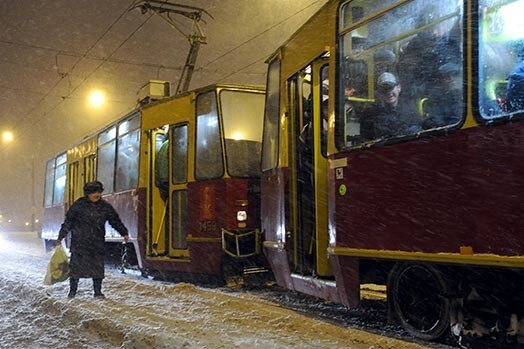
37	105
59	52
260	34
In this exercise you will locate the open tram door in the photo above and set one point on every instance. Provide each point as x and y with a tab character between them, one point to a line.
168	210
158	196
177	208
308	236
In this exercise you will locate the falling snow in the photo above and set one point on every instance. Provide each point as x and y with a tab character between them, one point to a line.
142	313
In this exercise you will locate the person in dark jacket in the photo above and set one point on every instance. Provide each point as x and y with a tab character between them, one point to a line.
85	220
388	116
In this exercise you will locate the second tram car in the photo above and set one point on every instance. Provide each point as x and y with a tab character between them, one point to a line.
183	173
393	155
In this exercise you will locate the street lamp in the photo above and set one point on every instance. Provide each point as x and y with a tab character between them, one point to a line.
96	99
7	136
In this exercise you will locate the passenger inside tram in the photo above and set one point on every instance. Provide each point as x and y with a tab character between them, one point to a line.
389	116
162	166
423	53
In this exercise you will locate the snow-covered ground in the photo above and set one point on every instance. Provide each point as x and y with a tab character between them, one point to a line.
142	313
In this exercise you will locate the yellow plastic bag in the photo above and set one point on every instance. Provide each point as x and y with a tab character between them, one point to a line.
58	268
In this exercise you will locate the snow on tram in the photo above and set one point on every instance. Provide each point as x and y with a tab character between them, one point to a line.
184	174
393	155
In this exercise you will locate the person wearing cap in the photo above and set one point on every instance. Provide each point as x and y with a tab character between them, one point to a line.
388	116
85	220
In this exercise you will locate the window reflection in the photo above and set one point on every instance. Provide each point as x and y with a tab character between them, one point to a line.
208	161
60	180
242	114
501	58
271	117
401	71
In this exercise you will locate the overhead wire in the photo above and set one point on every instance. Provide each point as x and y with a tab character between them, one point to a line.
45	95
108	59
83	55
255	37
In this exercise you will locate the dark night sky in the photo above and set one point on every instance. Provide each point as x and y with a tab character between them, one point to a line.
54	52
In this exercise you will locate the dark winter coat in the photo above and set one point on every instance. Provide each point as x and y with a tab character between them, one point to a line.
380	120
85	220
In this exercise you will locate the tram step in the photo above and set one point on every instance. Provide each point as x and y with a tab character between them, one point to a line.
255	270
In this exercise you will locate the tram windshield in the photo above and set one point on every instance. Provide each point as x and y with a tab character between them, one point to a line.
501	58
242	116
401	70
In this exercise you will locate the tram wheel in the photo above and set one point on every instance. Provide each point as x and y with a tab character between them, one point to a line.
417	293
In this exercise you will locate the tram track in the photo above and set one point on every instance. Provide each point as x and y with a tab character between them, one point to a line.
370	317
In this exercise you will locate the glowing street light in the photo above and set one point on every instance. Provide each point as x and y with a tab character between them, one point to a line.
96	99
7	136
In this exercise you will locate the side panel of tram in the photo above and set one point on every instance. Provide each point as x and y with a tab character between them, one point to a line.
294	160
65	176
200	174
110	156
184	177
423	174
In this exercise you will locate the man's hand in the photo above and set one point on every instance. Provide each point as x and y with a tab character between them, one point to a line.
126	239
58	242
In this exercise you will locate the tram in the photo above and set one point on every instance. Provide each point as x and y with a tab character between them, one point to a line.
183	173
393	154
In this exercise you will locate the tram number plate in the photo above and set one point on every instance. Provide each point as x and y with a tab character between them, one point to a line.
207	226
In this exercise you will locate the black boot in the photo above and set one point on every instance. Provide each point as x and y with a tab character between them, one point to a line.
97	286
73	286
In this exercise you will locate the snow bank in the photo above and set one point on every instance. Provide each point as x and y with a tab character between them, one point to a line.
141	313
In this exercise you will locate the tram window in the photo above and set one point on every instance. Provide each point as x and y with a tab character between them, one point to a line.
127	154
106	165
501	58
271	118
383	95
179	220
106	158
354	11
180	149
127	161
242	115
208	157
49	180
106	136
60	180
129	125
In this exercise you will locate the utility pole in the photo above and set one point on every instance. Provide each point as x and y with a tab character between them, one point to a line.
165	9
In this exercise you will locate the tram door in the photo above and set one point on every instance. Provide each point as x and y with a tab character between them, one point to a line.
72	182
168	198
158	221
308	94
178	138
89	168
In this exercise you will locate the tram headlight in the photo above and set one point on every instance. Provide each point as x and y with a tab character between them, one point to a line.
241	216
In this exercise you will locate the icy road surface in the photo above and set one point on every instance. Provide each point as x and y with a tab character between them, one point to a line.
142	313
